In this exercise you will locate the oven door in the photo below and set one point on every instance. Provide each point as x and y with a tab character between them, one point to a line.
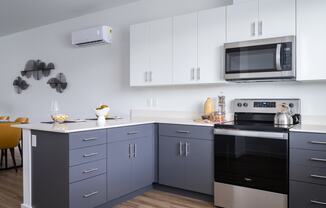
253	159
260	59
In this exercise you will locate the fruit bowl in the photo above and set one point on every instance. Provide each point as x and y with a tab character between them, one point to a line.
59	118
102	112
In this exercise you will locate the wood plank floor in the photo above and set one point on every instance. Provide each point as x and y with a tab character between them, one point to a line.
11	188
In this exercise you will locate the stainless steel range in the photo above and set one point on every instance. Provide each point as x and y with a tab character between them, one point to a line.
251	155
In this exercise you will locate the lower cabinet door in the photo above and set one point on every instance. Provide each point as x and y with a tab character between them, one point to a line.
142	163
199	161
306	195
119	169
171	161
88	193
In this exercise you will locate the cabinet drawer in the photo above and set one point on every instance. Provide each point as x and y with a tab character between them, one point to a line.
88	193
88	154
309	141
308	158
86	139
308	174
186	131
88	170
305	195
129	132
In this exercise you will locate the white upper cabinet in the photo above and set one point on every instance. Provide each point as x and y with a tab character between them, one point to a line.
311	39
276	18
139	54
151	53
161	43
211	39
242	19
184	48
255	19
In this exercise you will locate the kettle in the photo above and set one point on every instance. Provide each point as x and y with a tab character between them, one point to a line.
283	117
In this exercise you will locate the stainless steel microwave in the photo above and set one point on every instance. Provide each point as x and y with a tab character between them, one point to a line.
261	60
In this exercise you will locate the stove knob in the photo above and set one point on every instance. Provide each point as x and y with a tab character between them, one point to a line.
291	105
245	104
239	105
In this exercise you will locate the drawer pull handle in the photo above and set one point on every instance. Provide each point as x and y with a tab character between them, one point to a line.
133	132
90	170
89	139
318	176
91	194
318	159
317	142
183	132
90	155
317	202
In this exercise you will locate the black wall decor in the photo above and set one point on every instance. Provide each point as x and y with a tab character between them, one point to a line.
59	83
20	85
37	68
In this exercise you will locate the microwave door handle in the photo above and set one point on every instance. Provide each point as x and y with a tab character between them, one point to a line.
278	57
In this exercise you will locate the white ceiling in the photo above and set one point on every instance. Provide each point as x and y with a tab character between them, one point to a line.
18	15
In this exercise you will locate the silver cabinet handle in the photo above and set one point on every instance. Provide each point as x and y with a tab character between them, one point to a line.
183	132
187	151
317	159
180	148
90	194
260	28
198	73
146	76
318	176
317	202
90	170
89	139
135	150
129	151
133	132
90	155
192	74
317	142
253	29
150	76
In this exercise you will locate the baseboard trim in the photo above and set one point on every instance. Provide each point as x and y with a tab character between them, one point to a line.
25	206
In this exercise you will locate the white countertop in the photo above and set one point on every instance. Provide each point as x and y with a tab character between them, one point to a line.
93	125
310	128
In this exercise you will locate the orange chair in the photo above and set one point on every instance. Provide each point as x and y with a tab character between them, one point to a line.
22	120
4	118
9	139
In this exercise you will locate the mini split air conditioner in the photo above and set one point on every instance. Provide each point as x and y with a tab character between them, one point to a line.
92	36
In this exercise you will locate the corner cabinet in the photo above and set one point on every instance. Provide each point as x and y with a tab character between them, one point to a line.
311	41
257	19
184	49
186	157
151	53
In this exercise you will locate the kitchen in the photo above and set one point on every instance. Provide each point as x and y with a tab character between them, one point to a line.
171	78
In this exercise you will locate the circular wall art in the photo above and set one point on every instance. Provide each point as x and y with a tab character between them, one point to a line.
20	85
59	83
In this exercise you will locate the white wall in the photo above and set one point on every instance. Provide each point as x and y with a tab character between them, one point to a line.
101	74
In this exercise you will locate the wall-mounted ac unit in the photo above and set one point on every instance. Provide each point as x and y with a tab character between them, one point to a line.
92	36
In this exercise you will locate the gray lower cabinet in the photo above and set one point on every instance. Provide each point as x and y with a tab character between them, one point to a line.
186	162
130	159
307	170
69	170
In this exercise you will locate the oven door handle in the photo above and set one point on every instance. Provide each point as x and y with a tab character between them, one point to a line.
278	57
259	134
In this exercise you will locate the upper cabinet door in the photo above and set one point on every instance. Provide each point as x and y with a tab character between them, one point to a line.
311	41
161	50
139	54
185	48
211	39
242	21
276	18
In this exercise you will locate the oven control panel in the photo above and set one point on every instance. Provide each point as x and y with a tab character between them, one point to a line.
265	105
